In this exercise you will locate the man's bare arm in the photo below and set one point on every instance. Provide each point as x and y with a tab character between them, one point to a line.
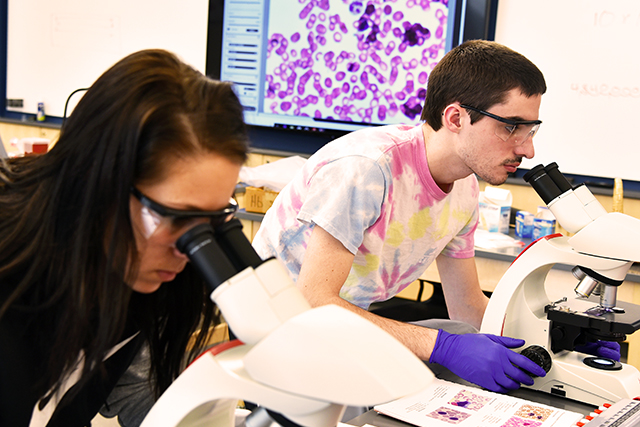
465	300
324	270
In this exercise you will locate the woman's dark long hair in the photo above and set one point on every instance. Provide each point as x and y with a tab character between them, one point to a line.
66	240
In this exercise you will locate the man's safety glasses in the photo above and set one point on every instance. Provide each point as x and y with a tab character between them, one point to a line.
177	221
516	131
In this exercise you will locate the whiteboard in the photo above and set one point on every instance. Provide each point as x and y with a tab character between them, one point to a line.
589	53
57	46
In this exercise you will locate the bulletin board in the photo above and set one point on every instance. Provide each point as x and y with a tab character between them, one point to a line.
589	52
57	46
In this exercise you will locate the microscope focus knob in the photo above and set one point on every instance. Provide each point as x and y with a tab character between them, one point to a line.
539	355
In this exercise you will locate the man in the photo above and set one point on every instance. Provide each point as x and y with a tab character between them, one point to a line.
372	210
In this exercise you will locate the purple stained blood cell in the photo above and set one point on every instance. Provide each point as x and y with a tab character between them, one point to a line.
345	87
322	16
285	106
397	16
328	101
328	82
364	79
321	29
353	78
423	77
422	93
356	7
389	49
337	37
387	10
382	113
369	9
340	75
307	9
409	87
353	67
323	4
400	96
393	75
386	27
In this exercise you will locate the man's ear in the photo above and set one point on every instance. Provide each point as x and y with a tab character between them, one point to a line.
452	117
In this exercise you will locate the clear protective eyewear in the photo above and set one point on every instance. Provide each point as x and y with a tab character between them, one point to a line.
177	221
519	131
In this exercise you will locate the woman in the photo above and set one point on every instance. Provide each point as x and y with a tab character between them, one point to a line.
89	273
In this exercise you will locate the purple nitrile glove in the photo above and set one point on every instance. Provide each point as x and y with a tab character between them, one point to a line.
485	360
609	349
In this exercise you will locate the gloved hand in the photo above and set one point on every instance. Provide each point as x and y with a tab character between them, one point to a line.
610	349
485	360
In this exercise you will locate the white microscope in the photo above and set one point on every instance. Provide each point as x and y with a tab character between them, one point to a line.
601	251
302	365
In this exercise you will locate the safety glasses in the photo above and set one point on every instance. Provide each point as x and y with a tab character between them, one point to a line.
176	221
515	131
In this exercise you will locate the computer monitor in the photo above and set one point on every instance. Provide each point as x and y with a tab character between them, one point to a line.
328	67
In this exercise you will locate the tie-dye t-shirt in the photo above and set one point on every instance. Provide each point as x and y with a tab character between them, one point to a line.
372	190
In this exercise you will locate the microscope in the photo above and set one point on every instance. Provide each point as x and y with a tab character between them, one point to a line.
602	248
299	365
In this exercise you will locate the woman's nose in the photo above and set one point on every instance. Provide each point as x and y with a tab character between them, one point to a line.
177	253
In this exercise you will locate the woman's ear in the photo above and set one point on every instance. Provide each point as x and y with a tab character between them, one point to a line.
452	117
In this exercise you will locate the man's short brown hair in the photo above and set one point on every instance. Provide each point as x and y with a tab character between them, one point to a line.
478	73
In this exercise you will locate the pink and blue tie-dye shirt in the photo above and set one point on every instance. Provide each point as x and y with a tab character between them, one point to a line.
372	190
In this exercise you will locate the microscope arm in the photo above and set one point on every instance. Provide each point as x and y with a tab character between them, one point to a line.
600	252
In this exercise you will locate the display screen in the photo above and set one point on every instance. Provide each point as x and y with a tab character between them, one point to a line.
333	65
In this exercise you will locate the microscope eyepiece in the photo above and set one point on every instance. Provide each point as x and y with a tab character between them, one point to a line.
558	178
542	184
202	249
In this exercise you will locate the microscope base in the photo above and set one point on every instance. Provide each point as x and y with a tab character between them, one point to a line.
572	378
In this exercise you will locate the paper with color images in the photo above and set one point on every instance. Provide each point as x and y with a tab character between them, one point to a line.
448	404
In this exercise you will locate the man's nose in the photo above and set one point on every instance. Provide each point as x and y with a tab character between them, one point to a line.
526	149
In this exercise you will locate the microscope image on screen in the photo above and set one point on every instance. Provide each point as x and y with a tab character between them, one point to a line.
334	65
353	61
